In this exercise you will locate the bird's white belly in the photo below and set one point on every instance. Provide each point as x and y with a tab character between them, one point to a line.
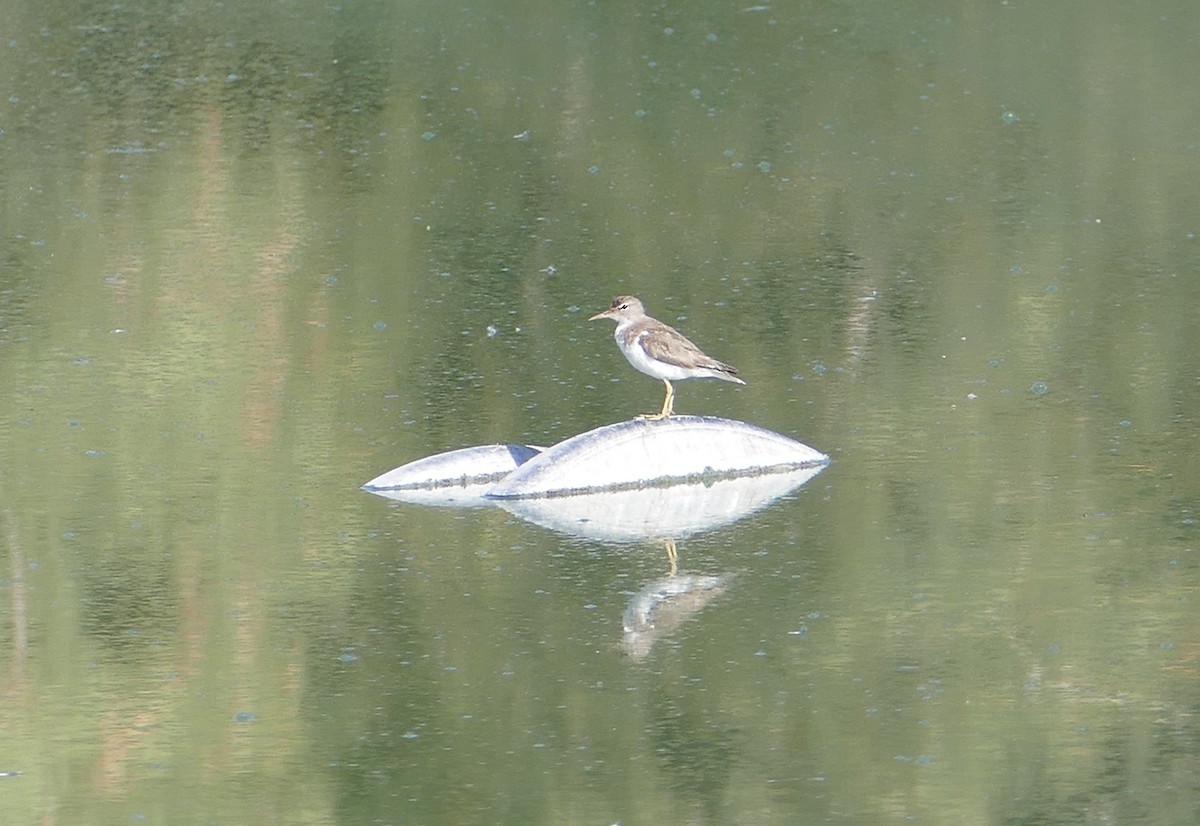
658	369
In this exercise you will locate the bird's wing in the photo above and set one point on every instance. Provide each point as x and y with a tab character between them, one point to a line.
674	347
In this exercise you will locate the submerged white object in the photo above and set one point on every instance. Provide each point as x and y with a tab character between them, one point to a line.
635	515
466	467
642	453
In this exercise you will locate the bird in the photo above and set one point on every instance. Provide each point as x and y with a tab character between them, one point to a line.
661	351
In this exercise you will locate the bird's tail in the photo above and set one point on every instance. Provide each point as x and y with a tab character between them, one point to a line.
726	372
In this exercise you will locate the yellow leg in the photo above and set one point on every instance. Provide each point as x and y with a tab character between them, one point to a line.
668	406
672	556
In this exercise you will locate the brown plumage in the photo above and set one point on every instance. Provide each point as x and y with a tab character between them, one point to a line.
661	351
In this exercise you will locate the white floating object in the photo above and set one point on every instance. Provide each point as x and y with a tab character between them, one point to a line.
642	454
467	466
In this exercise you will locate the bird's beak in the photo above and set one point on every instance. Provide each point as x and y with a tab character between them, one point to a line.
606	314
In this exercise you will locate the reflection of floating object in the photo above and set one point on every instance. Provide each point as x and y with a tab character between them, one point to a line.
675	511
453	478
643	454
665	604
626	482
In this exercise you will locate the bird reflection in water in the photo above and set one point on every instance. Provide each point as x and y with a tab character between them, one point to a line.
663	605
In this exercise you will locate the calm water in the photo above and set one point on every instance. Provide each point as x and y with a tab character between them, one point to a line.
250	257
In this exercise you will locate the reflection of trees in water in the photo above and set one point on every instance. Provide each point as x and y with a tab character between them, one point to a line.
696	753
147	71
126	602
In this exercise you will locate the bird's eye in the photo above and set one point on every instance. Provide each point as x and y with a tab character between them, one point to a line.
623	307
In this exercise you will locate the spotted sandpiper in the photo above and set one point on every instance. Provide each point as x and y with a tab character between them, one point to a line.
660	350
